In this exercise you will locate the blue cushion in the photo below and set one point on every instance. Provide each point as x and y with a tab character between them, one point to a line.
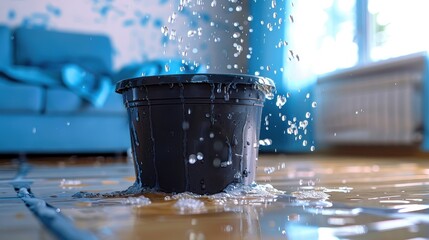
62	100
113	104
20	98
5	47
49	133
43	48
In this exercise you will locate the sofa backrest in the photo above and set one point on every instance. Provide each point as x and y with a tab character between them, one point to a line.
5	47
46	48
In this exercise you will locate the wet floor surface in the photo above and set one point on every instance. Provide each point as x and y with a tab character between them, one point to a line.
323	198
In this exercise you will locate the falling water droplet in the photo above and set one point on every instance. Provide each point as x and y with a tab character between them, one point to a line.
191	33
167	68
200	156
273	3
313	104
238	8
303	124
213	4
164	30
236	35
281	101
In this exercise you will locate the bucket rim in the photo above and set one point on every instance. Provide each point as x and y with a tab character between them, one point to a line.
212	78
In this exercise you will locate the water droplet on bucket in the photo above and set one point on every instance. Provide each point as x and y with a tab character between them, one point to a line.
273	3
307	115
216	162
192	158
185	125
200	156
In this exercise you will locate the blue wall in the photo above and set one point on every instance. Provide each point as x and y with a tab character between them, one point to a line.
267	52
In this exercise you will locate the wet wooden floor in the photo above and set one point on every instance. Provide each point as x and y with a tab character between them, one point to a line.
324	198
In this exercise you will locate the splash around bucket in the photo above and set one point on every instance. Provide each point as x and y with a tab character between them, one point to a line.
195	132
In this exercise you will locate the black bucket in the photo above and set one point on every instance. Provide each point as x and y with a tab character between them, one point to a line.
195	132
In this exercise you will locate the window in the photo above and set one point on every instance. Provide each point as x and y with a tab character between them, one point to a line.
322	34
397	27
334	34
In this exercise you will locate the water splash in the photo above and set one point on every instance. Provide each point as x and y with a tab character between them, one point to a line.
190	206
136	201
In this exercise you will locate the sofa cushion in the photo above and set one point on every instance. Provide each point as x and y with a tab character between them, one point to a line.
5	47
20	98
44	48
63	101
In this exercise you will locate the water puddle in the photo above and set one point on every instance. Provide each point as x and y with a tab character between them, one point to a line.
307	213
320	200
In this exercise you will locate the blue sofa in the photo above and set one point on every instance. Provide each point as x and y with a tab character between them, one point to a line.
57	93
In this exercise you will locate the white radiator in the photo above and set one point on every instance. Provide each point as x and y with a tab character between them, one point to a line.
377	104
